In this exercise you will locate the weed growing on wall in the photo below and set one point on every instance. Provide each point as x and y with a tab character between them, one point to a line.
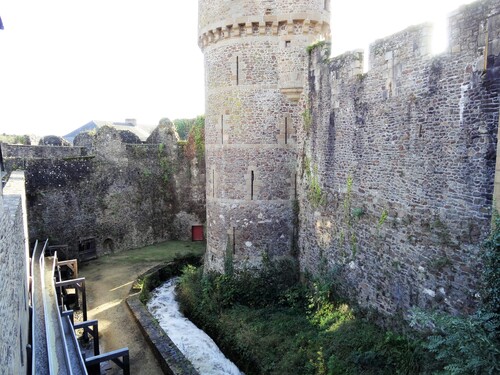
315	194
357	212
317	44
351	215
306	168
382	219
196	139
307	119
166	167
347	200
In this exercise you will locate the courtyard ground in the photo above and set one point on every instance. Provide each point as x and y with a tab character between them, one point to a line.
108	282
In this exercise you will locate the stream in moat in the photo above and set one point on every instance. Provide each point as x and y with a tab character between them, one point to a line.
195	344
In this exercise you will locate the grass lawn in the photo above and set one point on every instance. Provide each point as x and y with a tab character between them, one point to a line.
159	253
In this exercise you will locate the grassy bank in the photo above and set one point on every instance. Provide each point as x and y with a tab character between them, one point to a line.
160	274
159	253
269	323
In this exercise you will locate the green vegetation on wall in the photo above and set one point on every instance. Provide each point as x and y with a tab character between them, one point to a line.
317	44
315	193
307	119
166	168
196	139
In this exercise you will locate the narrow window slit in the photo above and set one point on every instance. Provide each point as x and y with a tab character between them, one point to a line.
251	185
237	70
295	183
286	130
222	129
234	240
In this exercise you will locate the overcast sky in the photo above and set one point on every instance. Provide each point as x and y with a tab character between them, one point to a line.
64	63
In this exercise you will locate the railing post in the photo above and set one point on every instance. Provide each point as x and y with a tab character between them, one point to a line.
96	339
84	301
126	364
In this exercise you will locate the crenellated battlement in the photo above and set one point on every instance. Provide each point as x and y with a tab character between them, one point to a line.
474	32
256	65
308	24
405	159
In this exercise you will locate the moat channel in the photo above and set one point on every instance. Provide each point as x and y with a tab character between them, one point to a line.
195	344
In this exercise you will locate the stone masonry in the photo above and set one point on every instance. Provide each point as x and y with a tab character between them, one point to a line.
255	64
397	173
120	195
14	275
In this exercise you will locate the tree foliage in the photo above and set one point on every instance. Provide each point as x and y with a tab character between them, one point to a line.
196	139
183	127
269	323
15	139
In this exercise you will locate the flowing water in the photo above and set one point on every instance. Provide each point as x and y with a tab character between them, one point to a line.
195	344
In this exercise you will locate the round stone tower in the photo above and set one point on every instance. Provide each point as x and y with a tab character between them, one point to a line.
255	70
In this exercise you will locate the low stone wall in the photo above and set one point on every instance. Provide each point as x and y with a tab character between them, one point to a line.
34	152
14	324
170	358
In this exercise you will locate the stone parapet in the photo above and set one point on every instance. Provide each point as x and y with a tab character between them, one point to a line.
35	152
14	311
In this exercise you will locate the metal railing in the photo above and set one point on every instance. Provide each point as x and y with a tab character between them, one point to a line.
54	345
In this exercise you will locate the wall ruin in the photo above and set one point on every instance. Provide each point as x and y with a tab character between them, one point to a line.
122	195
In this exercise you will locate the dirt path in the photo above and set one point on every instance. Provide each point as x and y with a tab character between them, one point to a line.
107	288
108	282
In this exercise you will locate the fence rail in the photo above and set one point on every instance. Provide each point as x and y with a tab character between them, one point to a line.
54	345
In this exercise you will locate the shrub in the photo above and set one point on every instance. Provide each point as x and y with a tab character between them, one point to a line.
491	275
269	323
464	345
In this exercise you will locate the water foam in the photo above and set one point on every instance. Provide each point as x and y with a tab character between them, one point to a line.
195	344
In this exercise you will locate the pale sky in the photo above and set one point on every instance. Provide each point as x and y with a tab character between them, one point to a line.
64	63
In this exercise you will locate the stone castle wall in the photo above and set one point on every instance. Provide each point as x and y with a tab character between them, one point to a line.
23	151
396	177
14	275
255	63
122	195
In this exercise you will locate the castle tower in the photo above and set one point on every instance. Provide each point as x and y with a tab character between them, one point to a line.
255	69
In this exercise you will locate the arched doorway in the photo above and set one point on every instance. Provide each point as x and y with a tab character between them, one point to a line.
108	245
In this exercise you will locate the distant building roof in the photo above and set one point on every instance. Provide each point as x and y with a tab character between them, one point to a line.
141	131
